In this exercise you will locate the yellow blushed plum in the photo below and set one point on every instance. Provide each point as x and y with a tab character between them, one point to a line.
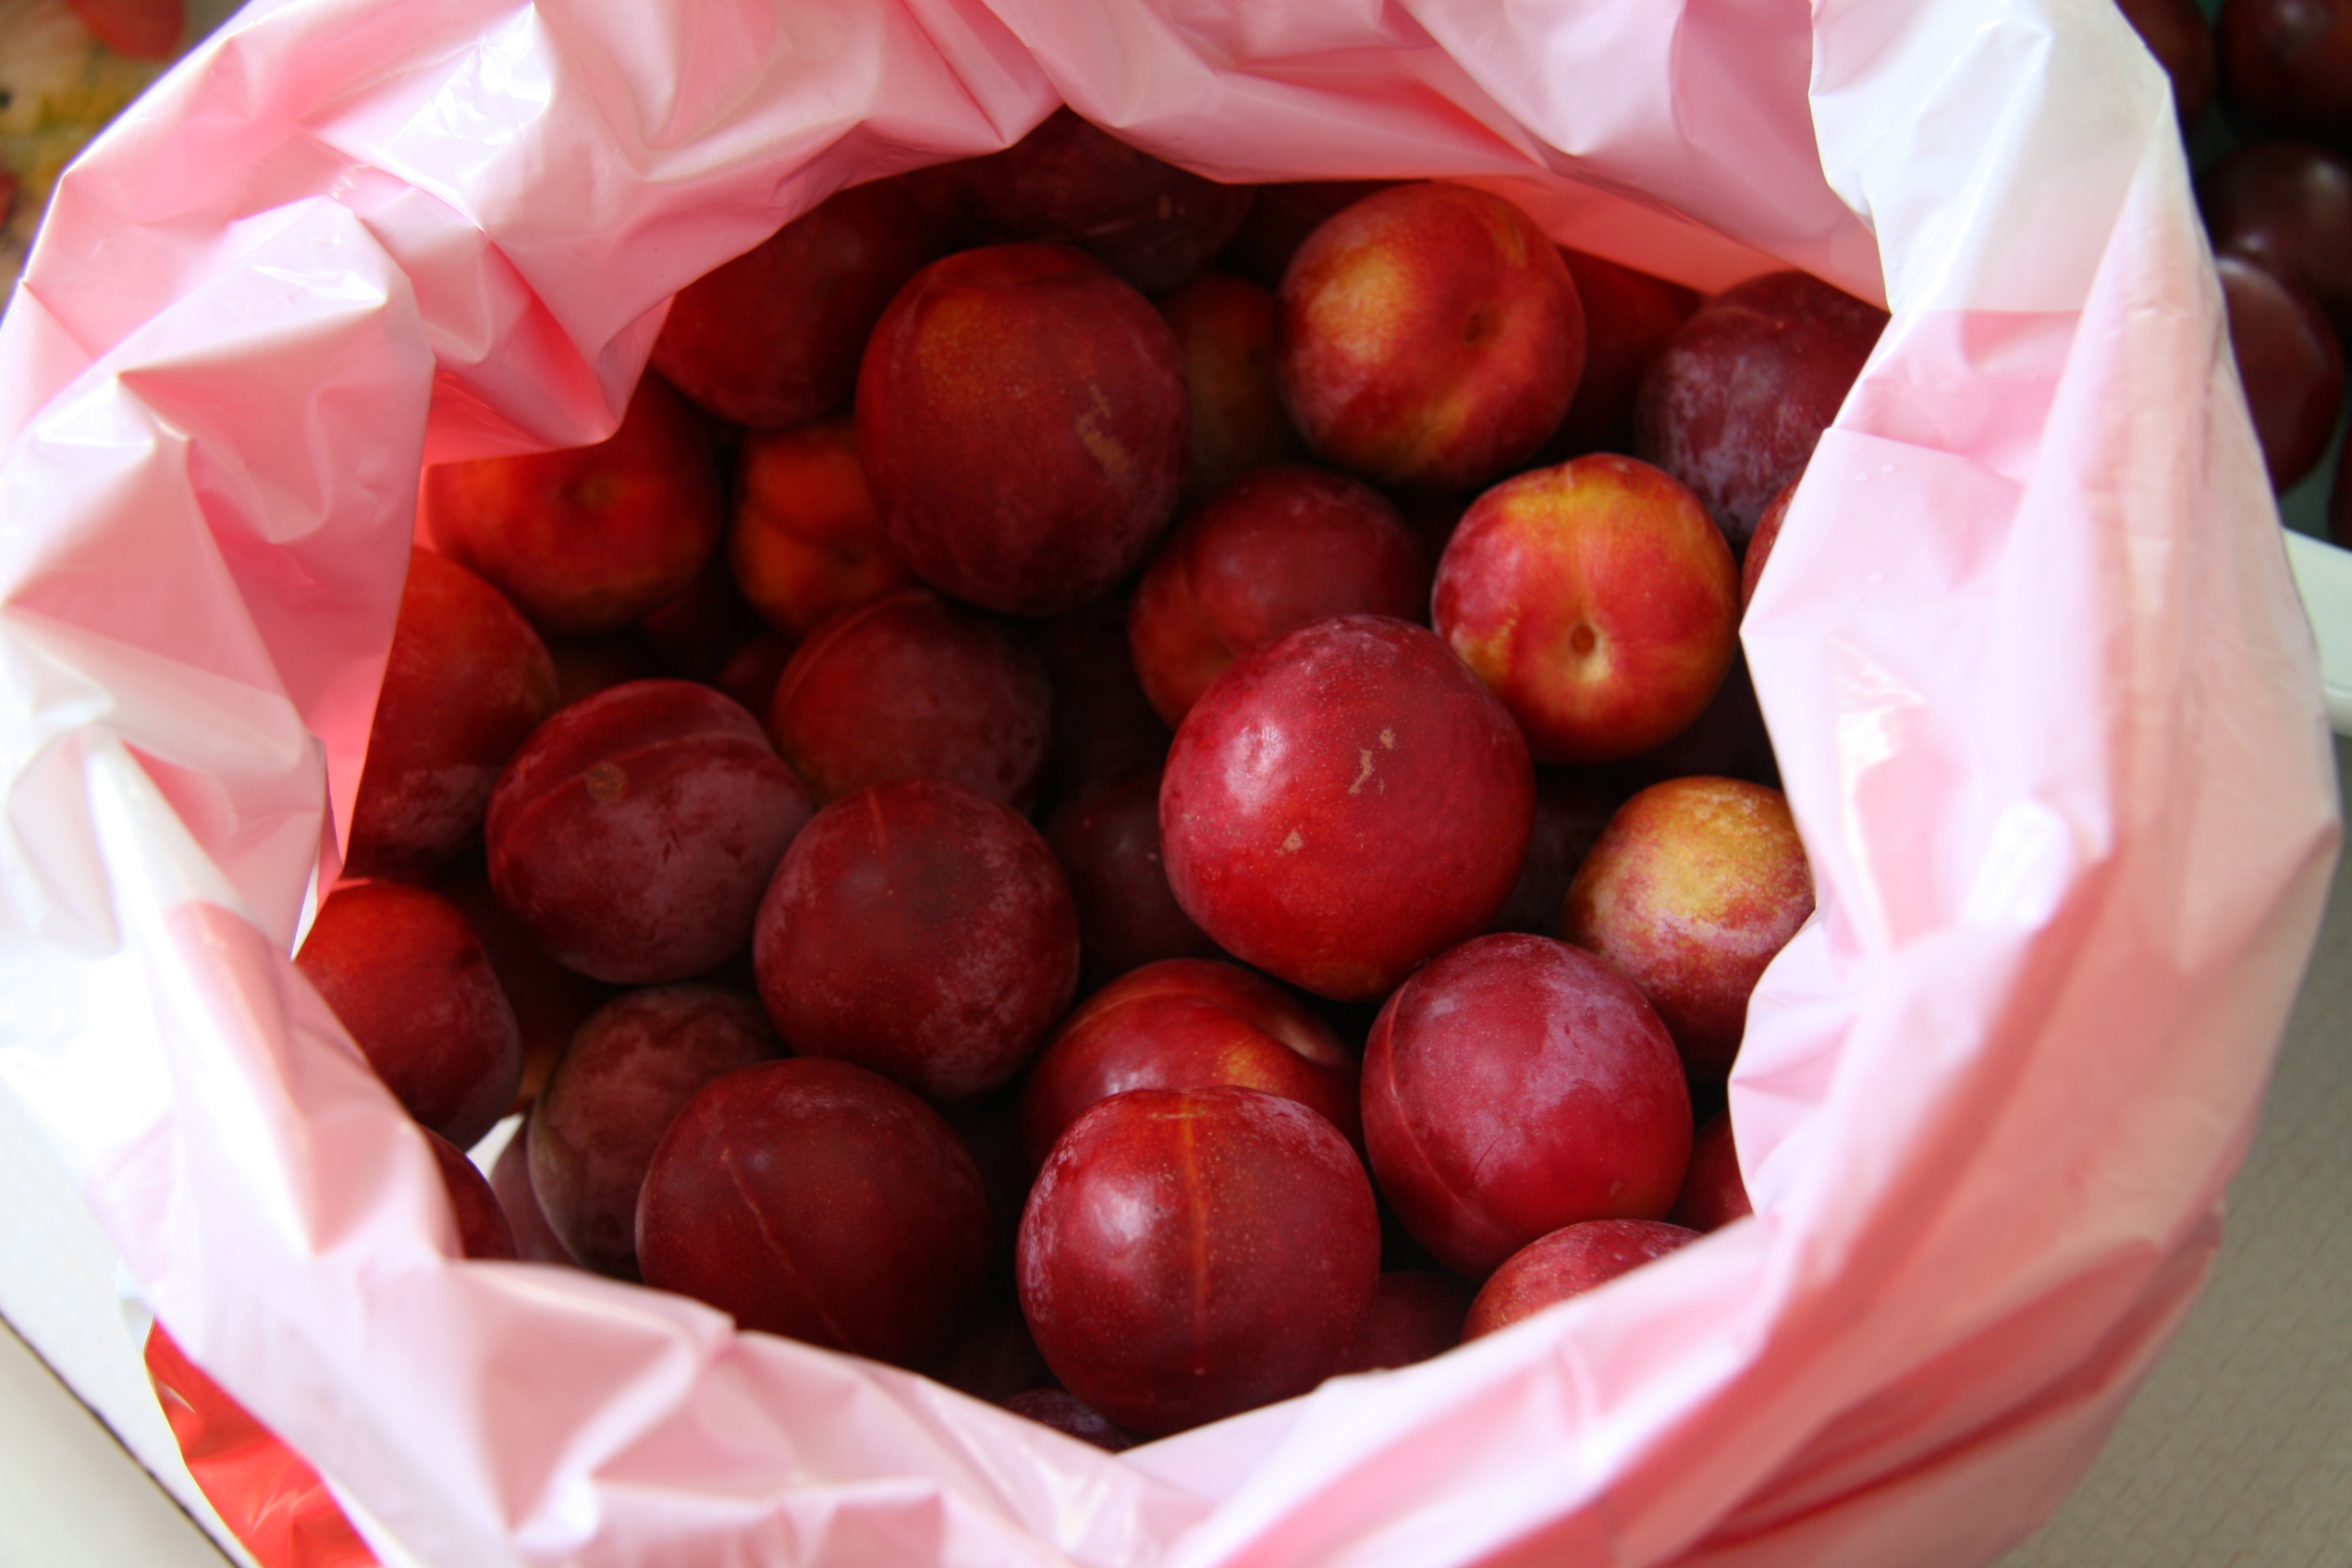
1430	335
1598	600
1693	887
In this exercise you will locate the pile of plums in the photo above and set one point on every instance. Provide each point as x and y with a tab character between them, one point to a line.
2275	187
1127	791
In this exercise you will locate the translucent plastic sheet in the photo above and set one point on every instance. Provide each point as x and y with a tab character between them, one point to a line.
2044	700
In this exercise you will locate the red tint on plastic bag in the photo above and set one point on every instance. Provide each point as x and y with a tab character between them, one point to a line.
269	1499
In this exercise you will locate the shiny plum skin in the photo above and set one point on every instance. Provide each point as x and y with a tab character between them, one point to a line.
1430	336
1346	803
1692	888
1072	183
1416	1314
588	539
1161	1267
911	686
1567	1263
1515	1086
1107	838
1187	1024
2290	364
1735	402
1713	1195
634	833
772	338
921	931
404	972
2287	65
2287	208
467	678
483	1231
816	1200
630	1070
1022	420
1281	546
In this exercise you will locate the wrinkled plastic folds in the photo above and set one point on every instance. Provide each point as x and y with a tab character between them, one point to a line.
2044	700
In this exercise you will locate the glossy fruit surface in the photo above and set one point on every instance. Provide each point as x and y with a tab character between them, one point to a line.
1023	419
912	686
1107	838
1072	183
1430	335
631	1068
772	338
1165	1265
1515	1086
467	678
1713	1193
1692	888
1346	803
1281	546
1567	1263
591	538
816	1200
483	1231
1598	599
634	833
921	931
1735	403
2287	207
2285	64
405	974
1187	1024
1416	1314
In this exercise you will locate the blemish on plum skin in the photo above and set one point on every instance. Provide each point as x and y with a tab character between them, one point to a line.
1293	844
606	781
1109	454
1364	767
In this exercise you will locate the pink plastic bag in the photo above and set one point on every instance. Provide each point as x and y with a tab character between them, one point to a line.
2043	696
